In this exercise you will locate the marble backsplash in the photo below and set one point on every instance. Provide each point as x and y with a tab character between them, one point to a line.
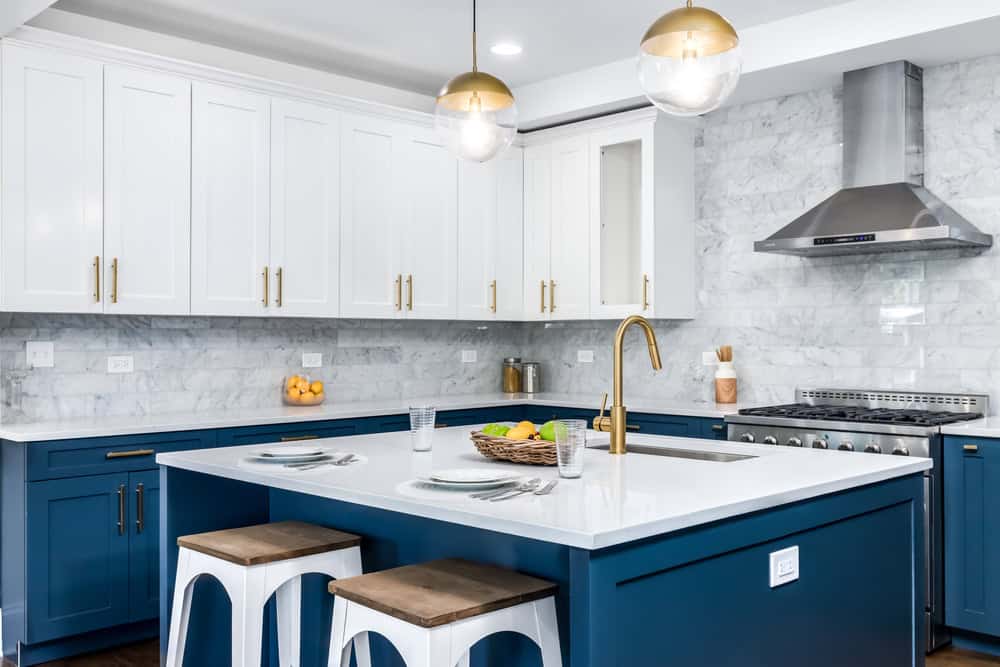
922	321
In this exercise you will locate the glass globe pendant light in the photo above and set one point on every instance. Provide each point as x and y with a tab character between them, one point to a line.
689	61
475	112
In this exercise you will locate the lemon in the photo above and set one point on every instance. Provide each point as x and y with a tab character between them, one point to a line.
307	396
316	387
292	382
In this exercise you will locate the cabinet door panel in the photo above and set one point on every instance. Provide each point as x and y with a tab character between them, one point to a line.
144	549
537	229
78	559
305	208
230	194
430	226
52	182
477	239
147	162
509	244
370	209
570	237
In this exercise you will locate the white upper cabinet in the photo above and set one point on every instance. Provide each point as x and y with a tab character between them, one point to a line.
429	226
52	181
490	238
230	202
371	206
537	230
147	192
569	281
305	209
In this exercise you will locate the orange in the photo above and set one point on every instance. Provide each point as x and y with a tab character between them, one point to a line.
293	394
307	396
292	382
316	387
302	385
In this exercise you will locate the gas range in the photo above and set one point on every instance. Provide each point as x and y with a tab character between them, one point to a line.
876	422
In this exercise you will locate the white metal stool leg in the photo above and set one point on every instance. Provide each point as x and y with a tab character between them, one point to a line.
248	617
288	599
180	611
548	632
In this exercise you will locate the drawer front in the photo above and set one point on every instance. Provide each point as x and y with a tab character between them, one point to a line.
96	456
649	424
712	429
448	418
252	435
543	413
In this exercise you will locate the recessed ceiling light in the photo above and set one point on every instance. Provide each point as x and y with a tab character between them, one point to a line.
506	49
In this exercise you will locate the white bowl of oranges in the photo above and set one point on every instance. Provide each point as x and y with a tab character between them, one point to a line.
302	390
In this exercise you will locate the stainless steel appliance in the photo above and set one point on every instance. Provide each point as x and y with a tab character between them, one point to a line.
883	206
856	421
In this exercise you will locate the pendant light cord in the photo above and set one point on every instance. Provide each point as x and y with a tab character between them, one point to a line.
475	58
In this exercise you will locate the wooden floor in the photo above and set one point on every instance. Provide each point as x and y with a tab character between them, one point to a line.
147	654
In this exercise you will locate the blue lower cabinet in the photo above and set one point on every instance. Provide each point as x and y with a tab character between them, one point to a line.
541	414
144	546
78	563
252	435
713	429
972	541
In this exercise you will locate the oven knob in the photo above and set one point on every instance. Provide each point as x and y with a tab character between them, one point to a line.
872	448
901	450
770	440
793	442
820	443
846	446
747	437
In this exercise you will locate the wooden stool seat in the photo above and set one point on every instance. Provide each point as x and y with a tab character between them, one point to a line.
441	592
269	542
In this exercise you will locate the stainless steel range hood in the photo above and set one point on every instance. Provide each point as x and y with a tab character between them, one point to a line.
883	206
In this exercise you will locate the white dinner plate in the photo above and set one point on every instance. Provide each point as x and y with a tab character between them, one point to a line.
471	476
291	451
263	457
467	486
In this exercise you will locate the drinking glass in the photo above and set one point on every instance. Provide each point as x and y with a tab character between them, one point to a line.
422	427
571	440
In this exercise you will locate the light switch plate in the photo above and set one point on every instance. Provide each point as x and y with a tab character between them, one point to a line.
40	354
469	356
312	360
709	359
784	566
585	356
121	364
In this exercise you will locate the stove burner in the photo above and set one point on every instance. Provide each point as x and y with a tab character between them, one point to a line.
861	414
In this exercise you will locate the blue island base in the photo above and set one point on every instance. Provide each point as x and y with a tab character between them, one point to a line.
694	598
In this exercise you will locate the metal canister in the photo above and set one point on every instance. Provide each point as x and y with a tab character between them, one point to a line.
531	377
512	375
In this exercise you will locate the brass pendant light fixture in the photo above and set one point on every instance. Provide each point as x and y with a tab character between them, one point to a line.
689	61
475	112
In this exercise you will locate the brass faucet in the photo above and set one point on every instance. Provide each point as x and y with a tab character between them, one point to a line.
617	423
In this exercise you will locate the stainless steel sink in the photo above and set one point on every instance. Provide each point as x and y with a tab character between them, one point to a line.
698	455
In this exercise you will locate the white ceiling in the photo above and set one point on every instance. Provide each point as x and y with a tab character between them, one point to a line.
419	45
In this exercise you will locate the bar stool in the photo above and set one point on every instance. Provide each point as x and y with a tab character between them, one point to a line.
434	612
252	563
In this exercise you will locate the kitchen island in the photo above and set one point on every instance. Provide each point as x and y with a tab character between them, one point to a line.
660	560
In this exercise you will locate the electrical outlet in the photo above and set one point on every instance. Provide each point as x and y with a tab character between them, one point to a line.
121	364
585	356
469	356
40	354
784	566
312	360
708	358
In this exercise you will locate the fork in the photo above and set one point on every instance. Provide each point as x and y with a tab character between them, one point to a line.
528	485
344	460
513	493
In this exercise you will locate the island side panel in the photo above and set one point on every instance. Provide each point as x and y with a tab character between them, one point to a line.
195	503
391	539
702	597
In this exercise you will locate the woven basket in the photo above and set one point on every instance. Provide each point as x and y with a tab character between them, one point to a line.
533	452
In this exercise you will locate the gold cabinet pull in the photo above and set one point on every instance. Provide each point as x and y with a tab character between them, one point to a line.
121	509
140	507
97	279
970	449
717	427
543	296
409	291
398	286
493	296
645	291
632	427
552	296
129	454
267	287
114	280
279	275
296	438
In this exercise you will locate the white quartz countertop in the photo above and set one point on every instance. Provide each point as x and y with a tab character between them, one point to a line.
190	421
618	499
987	427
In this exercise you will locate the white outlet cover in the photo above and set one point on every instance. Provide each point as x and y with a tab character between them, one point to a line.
709	359
40	354
121	364
585	356
784	566
469	356
312	360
